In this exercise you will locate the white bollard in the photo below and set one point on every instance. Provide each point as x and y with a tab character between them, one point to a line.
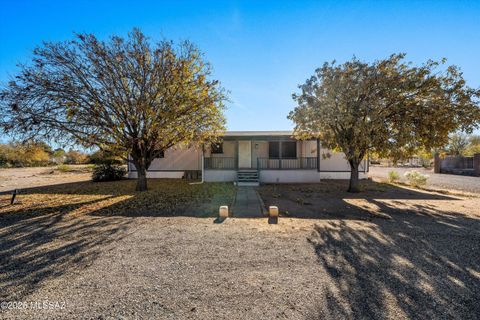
223	212
273	211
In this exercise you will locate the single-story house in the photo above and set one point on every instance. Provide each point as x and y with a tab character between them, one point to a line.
252	157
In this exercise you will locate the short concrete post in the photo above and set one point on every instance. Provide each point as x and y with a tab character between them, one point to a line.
476	164
223	212
273	211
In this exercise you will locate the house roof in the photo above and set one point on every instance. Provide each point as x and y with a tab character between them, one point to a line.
258	133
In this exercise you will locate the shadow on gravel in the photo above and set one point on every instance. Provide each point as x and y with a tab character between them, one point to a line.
419	265
219	220
65	227
421	262
330	200
272	220
36	245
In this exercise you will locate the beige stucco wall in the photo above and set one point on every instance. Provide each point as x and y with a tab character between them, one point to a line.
335	161
178	158
329	160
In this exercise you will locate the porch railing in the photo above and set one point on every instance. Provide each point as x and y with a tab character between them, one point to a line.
220	163
287	163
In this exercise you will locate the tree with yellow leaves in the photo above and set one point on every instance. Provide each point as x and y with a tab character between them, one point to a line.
123	95
389	107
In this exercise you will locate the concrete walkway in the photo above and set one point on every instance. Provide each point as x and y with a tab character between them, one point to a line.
247	204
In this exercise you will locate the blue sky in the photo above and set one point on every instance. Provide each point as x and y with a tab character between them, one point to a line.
262	50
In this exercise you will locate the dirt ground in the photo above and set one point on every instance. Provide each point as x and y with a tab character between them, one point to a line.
435	180
386	253
20	178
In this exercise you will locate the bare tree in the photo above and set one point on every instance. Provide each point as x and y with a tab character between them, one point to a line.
124	96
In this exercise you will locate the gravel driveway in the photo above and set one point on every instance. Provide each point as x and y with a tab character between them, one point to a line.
437	181
423	263
21	178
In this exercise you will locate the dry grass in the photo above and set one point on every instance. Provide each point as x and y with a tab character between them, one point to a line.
164	197
73	168
329	199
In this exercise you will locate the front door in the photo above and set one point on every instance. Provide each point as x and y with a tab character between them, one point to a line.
244	154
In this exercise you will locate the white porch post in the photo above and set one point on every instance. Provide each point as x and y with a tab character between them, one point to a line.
318	154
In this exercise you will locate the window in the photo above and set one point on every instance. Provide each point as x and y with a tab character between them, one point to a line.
217	147
289	149
273	150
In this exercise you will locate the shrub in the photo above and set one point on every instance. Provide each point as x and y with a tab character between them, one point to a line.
393	176
75	157
416	179
108	172
64	168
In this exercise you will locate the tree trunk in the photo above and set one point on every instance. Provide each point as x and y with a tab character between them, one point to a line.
141	177
142	162
354	185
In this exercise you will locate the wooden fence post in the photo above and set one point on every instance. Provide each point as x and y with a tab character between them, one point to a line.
476	164
14	194
437	163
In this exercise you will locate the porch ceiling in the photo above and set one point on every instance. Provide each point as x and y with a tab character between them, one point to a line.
258	135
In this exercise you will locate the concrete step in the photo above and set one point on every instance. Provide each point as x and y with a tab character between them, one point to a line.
247	178
247	184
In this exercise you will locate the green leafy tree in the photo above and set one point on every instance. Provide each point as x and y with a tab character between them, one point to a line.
36	154
4	152
457	144
123	95
104	157
389	106
44	146
473	145
75	157
58	156
28	153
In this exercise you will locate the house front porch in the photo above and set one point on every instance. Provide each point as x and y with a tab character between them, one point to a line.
273	158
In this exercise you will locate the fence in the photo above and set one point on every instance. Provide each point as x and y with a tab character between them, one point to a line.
458	165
